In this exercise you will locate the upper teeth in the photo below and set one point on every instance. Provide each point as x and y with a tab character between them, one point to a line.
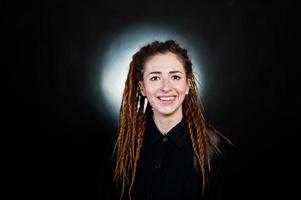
166	98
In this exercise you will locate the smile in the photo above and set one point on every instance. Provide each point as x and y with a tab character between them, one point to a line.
167	99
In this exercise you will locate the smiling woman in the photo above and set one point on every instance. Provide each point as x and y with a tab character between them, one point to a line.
118	55
166	149
165	86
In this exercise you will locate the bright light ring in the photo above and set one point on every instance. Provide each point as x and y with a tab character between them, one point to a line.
116	60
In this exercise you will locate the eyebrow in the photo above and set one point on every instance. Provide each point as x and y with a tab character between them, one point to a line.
171	72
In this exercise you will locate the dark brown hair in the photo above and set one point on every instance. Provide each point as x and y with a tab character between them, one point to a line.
132	122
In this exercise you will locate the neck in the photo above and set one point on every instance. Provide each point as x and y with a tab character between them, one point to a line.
166	123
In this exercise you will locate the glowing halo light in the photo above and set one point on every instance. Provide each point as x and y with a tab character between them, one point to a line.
116	60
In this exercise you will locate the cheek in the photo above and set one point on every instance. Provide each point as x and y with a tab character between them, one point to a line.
148	90
151	88
183	88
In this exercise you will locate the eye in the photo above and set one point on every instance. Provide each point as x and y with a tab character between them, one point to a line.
176	77
155	78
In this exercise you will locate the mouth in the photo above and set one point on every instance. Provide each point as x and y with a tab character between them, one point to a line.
167	99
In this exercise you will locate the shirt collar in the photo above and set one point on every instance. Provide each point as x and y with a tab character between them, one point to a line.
177	134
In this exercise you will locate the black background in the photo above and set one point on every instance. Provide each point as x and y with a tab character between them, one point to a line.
58	134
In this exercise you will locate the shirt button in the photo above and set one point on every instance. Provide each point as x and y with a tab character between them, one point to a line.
165	139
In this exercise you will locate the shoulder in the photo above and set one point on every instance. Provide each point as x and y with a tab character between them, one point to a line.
217	142
214	137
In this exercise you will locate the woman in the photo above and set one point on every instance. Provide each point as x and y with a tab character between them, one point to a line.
165	148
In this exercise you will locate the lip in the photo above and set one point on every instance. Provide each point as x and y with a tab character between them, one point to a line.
168	99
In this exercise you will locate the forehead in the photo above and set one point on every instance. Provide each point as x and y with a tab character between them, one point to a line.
164	62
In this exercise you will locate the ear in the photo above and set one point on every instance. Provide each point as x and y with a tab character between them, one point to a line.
187	87
142	89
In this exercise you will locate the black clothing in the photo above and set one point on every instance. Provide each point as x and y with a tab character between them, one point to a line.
166	168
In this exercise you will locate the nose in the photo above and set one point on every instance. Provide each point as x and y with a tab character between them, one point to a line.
165	86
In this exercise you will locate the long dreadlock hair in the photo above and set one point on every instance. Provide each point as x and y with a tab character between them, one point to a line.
133	117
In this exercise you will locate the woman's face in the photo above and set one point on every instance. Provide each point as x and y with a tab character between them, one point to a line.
164	84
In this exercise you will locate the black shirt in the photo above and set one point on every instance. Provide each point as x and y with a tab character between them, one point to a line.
166	168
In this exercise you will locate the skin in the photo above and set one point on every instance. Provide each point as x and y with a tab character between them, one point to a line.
165	85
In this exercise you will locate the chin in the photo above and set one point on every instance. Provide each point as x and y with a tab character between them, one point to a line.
167	112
